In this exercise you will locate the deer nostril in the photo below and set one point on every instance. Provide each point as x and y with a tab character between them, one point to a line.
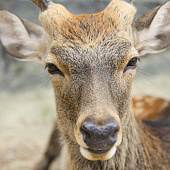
114	131
85	131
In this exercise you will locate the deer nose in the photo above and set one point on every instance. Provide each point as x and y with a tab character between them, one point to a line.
99	137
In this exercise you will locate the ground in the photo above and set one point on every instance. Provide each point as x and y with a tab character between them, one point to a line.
25	128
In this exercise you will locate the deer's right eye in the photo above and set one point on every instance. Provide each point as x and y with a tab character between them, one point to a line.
52	69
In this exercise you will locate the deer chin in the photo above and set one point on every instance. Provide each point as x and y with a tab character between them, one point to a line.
98	155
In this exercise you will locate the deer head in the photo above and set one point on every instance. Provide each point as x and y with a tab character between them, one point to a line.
91	60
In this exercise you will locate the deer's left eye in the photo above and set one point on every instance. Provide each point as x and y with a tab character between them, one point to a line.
131	64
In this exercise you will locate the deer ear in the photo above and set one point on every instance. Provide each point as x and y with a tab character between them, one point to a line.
152	30
22	39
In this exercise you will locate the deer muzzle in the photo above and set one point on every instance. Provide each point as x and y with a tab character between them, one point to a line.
98	138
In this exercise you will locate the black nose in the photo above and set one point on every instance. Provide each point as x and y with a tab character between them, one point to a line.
100	137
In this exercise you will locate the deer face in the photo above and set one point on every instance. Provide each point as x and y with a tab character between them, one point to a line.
91	63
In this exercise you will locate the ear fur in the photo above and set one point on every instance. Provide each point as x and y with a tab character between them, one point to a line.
152	30
22	39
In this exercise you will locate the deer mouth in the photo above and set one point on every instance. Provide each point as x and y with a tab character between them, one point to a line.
98	151
95	155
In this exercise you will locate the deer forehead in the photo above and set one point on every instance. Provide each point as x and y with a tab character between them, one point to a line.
105	54
59	23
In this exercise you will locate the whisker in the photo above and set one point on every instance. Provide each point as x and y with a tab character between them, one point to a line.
139	89
144	73
143	70
148	80
42	81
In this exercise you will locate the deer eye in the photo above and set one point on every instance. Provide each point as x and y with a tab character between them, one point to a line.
52	69
131	64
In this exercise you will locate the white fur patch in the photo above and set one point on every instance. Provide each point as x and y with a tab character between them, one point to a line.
94	157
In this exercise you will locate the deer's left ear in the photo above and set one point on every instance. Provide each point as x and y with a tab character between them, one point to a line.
22	39
152	30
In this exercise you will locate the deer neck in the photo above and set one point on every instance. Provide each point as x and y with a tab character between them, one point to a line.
139	147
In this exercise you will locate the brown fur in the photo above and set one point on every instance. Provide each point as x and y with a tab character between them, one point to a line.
150	108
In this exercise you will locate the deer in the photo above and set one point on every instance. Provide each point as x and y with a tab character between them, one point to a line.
92	61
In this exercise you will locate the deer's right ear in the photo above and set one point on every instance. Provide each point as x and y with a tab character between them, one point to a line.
22	39
152	30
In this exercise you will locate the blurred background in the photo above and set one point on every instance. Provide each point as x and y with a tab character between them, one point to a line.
27	108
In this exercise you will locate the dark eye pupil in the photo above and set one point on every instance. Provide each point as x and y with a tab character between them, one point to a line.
132	62
52	69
